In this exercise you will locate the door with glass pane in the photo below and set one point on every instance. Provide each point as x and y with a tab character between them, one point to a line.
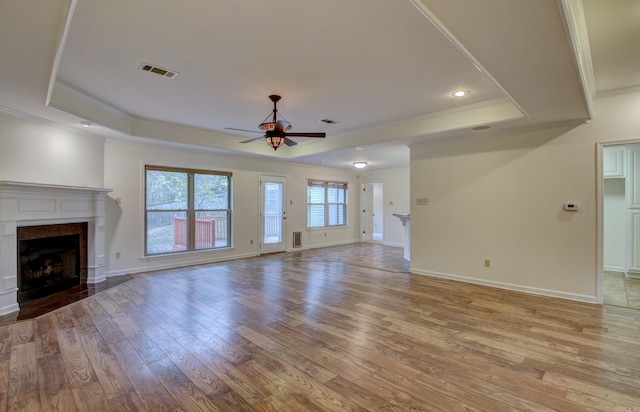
273	214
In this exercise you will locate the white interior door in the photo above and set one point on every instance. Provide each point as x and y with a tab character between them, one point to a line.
273	214
367	212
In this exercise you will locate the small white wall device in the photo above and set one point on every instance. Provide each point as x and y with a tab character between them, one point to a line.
571	206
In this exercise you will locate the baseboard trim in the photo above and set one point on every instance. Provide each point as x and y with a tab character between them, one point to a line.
508	286
307	247
614	269
393	244
174	265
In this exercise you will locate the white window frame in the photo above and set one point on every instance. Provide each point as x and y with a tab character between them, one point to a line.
327	184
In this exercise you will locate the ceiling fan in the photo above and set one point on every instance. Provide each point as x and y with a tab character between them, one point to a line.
276	131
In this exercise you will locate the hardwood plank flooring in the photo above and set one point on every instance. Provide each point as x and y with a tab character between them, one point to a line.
335	329
52	302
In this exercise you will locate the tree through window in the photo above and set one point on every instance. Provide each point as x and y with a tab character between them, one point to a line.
186	210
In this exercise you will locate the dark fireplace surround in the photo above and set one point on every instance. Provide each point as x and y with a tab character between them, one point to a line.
51	258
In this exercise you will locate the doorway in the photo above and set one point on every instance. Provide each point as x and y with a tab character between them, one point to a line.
372	212
619	268
273	214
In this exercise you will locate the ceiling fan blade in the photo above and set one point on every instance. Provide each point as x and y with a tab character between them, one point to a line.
303	134
252	140
243	130
289	142
283	125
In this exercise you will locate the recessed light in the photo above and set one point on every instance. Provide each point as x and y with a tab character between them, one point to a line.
481	127
361	147
85	123
460	93
359	165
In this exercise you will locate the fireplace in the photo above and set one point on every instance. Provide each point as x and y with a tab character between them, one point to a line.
30	211
51	258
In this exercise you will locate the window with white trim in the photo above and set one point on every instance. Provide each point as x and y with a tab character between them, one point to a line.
186	210
326	203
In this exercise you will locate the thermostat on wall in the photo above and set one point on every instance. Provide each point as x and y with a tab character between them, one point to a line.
571	206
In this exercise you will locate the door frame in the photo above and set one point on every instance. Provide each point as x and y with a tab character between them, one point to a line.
363	214
600	212
275	247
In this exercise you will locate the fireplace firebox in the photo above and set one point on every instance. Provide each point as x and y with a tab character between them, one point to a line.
47	266
51	258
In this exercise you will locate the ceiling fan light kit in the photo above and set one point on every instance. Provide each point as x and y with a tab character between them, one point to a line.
276	130
274	141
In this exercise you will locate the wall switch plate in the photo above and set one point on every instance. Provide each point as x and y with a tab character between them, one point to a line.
422	201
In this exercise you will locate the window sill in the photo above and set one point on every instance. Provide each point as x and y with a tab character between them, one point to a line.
312	229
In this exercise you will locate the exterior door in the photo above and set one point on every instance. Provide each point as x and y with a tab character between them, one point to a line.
273	195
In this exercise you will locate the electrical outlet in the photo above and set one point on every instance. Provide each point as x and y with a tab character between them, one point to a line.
422	201
487	263
117	255
118	201
251	242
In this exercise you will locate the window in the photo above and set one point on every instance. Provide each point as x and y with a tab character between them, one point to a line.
326	203
186	210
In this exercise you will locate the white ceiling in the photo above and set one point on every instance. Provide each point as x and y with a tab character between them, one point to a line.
383	69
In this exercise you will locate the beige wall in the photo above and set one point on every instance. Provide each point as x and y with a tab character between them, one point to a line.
34	151
500	198
124	164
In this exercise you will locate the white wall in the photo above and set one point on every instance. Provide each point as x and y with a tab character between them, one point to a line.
395	199
124	164
35	152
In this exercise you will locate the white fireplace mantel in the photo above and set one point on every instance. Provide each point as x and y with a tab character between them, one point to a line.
32	204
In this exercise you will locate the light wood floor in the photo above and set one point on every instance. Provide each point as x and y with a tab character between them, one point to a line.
324	330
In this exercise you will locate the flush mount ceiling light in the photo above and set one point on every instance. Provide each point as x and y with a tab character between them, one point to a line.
359	165
460	93
85	123
484	127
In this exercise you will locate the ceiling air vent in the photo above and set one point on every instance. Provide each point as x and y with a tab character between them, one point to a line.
158	70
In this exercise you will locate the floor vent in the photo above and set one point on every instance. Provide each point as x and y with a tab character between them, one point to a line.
297	239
